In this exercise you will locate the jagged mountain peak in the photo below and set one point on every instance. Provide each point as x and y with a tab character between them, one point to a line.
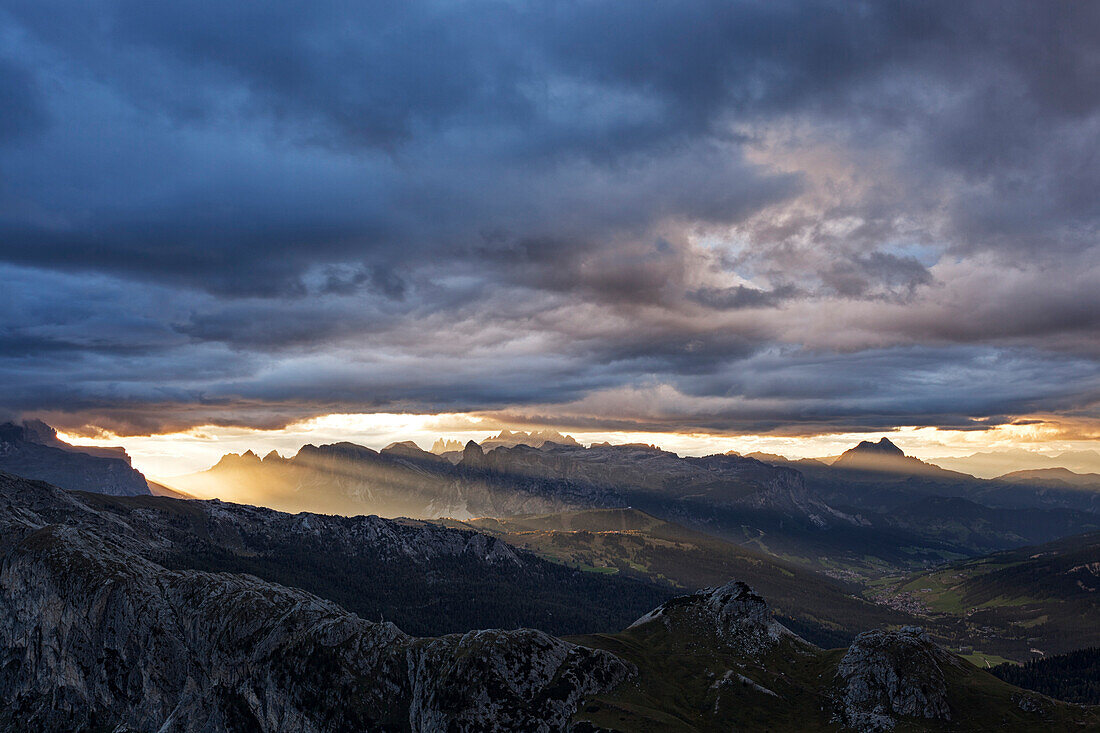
472	454
881	456
733	615
535	439
445	445
236	460
884	447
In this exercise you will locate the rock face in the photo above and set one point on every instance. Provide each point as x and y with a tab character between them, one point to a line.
33	450
94	636
732	616
886	674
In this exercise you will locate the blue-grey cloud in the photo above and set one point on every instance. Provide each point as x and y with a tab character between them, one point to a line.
247	212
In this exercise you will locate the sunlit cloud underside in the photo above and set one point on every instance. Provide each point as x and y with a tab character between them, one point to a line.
170	454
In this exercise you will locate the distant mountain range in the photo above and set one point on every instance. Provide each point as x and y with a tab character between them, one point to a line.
108	622
508	480
997	463
872	510
742	499
1054	478
879	477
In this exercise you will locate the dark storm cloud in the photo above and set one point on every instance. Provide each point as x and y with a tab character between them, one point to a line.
780	211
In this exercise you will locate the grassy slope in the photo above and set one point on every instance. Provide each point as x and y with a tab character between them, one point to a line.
676	691
635	544
1045	597
990	619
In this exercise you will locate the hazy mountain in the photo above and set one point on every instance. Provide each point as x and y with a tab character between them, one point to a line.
99	633
787	511
534	439
506	481
33	450
997	463
776	459
442	446
400	480
879	477
1056	477
885	457
742	499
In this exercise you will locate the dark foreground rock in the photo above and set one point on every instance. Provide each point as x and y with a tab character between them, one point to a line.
886	674
93	637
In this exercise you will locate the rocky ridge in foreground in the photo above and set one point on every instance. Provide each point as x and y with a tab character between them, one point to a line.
94	636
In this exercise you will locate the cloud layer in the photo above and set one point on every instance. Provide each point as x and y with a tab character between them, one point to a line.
732	217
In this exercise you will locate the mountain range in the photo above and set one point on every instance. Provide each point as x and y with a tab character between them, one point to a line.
874	509
880	477
103	628
997	463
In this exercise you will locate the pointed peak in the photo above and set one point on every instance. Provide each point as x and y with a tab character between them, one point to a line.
883	447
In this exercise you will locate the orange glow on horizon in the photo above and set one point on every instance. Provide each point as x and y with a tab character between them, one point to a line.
172	454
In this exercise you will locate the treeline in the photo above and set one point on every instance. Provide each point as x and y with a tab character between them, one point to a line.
1073	677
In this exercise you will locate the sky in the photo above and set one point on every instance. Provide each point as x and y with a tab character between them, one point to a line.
712	221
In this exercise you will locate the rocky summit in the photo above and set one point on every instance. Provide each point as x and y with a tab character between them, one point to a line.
732	616
886	674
